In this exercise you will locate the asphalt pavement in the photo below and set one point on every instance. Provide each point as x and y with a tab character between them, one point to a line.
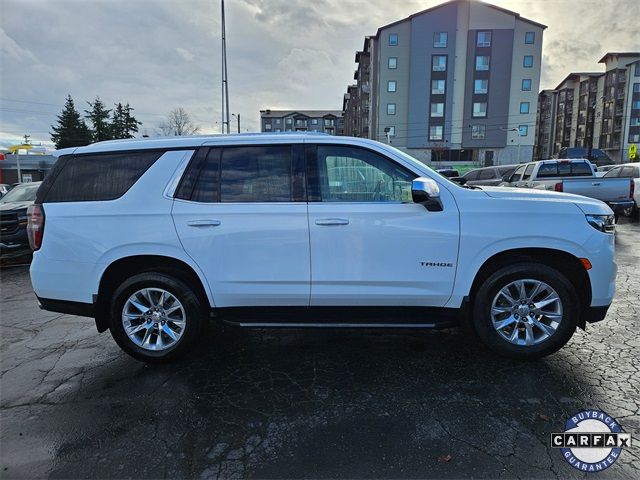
313	404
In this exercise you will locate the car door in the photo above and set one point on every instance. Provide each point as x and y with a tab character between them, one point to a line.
241	214
487	176
525	182
370	244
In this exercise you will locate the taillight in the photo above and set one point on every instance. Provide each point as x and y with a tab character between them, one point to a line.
558	187
35	226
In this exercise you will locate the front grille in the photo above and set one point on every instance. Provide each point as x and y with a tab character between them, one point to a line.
8	223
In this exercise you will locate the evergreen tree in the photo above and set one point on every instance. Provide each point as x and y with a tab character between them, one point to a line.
99	118
70	131
123	123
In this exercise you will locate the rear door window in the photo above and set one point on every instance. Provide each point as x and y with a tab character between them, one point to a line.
614	172
528	171
517	174
95	177
548	170
581	169
487	174
472	175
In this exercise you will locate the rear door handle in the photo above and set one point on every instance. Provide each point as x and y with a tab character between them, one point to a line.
596	184
332	221
203	223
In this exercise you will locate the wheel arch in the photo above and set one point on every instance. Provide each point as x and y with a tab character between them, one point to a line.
565	262
125	267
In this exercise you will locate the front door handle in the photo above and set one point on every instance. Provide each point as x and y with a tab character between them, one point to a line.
203	223
332	221
596	184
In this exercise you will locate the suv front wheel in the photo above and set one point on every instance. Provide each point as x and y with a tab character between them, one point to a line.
526	310
155	316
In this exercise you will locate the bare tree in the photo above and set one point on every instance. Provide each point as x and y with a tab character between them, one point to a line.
178	123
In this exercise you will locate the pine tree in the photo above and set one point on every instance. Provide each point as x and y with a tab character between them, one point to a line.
123	123
70	131
99	118
117	122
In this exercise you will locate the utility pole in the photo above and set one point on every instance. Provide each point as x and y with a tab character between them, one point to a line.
225	79
237	115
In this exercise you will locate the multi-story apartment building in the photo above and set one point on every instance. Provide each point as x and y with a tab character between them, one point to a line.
326	121
545	124
593	110
456	82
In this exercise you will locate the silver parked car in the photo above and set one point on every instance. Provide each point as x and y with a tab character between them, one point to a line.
491	176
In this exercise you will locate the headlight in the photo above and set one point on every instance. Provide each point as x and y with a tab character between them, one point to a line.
604	223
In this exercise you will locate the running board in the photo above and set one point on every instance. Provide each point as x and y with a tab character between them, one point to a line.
327	325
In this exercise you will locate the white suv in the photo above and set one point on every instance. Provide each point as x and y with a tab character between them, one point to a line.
151	237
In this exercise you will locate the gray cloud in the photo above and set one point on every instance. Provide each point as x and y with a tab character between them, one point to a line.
160	54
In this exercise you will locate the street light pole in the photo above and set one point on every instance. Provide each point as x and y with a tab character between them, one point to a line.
238	118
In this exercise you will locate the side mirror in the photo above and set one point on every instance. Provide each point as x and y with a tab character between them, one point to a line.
459	180
426	192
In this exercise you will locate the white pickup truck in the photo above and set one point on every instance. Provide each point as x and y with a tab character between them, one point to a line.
575	176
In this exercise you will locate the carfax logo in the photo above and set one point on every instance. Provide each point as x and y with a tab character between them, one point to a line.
592	441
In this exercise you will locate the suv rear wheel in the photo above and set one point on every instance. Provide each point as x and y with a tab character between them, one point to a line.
526	310
155	316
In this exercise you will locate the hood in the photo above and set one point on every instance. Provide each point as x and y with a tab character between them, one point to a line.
586	204
13	206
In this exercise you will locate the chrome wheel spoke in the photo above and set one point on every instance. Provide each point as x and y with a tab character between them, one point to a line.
154	327
520	317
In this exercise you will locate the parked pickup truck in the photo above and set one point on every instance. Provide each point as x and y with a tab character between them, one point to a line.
576	176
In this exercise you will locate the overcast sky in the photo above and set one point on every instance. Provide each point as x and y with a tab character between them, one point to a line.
293	54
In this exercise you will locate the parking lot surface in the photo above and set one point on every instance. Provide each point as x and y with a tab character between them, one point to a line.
327	404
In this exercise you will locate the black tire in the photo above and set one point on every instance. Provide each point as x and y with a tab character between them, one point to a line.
526	270
177	287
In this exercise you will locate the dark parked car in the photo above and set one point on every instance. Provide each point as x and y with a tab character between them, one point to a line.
448	172
13	217
491	176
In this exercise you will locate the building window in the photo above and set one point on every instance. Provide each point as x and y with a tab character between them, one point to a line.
634	138
393	63
481	86
526	84
277	121
300	122
267	126
329	121
482	62
392	85
483	39
277	130
437	87
636	71
635	104
530	38
314	121
524	107
435	132
439	63
437	109
528	61
289	121
523	130
478	132
480	109
636	87
635	121
391	108
440	40
393	39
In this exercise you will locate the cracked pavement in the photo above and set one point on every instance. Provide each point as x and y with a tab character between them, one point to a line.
322	404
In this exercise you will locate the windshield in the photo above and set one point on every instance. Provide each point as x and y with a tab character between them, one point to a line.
21	193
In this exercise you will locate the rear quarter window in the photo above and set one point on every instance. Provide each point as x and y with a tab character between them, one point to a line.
95	177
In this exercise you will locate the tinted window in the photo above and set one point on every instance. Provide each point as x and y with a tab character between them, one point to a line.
256	174
581	169
472	175
104	176
528	171
516	175
548	170
627	172
349	174
614	172
487	174
506	170
207	187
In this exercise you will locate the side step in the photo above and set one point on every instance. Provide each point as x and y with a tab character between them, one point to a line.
327	325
